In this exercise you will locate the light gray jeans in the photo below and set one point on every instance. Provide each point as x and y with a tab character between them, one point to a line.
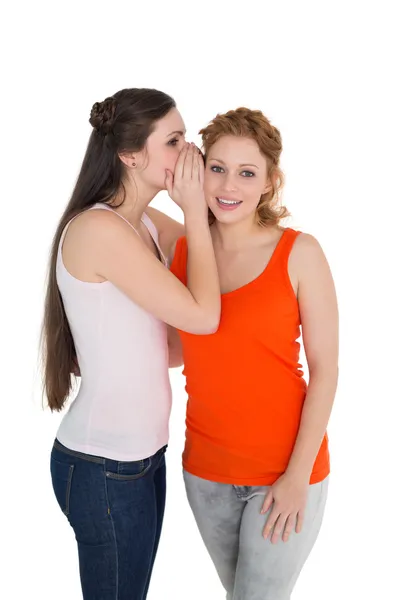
230	523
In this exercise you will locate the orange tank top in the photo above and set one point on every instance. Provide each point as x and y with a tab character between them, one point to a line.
245	385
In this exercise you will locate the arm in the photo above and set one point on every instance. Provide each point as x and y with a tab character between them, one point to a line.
319	318
118	255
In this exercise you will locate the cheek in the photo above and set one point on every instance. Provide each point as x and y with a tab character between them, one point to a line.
172	158
165	159
210	183
253	191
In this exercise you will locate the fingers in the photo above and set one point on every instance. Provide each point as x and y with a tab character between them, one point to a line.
201	168
300	521
279	526
192	159
196	165
180	163
290	523
188	163
267	502
169	181
273	517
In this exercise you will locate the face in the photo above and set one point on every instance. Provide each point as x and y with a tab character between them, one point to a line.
162	150
235	178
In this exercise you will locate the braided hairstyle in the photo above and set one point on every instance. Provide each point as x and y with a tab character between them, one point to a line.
102	116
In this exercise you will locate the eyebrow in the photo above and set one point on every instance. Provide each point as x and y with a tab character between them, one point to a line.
182	132
242	165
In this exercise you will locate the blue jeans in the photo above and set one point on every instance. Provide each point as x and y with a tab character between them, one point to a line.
116	510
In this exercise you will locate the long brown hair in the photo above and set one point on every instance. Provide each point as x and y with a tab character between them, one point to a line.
121	123
253	124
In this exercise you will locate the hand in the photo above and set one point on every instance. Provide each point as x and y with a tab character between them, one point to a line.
185	186
288	498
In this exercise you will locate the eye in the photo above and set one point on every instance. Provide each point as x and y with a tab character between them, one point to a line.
216	169
248	173
173	142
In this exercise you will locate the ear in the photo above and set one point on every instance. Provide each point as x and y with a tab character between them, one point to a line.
129	159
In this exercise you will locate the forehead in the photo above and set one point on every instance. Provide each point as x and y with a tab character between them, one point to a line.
236	150
172	122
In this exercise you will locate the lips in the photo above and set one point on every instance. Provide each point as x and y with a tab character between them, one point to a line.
228	203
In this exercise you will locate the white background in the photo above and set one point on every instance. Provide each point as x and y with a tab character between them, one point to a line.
326	75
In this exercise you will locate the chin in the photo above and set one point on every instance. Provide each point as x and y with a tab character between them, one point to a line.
227	217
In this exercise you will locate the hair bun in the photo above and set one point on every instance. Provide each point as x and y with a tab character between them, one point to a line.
102	115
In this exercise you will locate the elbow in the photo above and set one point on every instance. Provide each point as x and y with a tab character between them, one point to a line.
210	326
207	330
205	327
325	372
213	328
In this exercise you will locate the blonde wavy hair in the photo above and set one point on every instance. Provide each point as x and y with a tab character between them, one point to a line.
253	124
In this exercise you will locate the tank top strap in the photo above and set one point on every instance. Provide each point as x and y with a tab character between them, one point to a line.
150	226
147	222
283	249
109	208
152	229
94	207
64	232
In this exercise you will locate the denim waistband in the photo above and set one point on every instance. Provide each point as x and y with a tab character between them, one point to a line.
95	459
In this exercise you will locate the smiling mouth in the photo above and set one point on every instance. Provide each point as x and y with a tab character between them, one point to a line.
225	202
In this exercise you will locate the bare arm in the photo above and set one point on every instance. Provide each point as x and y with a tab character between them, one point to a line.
319	317
287	497
119	255
186	189
108	249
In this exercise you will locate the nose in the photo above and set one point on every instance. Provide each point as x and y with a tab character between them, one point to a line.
229	184
181	143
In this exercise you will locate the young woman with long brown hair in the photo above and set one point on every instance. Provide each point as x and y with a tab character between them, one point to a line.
110	300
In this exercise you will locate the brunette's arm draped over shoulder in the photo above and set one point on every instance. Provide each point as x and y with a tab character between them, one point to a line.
114	252
120	257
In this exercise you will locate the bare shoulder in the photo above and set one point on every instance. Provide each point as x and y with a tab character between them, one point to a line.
306	243
307	260
97	225
306	248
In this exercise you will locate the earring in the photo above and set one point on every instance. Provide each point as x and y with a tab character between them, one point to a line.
133	164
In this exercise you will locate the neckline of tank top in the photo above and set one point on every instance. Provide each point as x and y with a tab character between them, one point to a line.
142	219
264	272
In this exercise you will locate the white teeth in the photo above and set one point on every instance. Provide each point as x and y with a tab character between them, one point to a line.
228	202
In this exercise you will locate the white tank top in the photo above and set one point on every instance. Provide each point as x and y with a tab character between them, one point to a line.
123	405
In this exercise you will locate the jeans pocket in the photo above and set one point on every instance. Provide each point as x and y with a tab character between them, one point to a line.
129	471
61	476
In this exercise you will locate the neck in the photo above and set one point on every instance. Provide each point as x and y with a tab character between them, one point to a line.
235	236
135	198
